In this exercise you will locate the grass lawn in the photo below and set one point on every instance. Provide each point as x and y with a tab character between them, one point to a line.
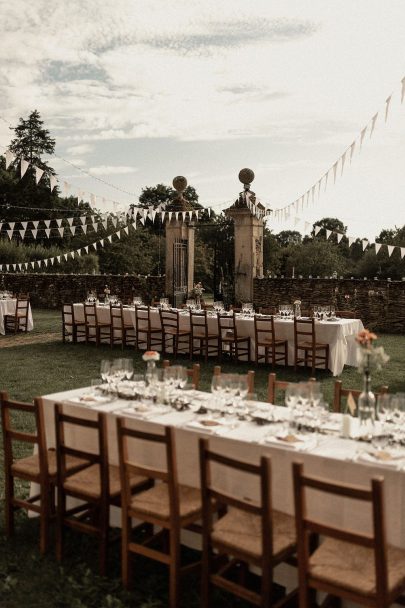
37	364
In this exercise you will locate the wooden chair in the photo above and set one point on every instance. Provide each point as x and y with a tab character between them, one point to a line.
245	534
171	332
275	385
168	505
340	392
250	378
346	314
229	340
305	340
96	484
39	468
193	373
71	329
121	332
147	337
19	320
96	330
275	350
207	342
349	565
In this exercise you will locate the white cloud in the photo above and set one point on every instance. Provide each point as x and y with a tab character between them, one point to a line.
81	149
112	170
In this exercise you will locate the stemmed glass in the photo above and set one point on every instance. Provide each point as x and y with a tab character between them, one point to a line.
105	368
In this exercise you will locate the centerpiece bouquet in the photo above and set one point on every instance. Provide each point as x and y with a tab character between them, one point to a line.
369	358
297	308
197	293
150	356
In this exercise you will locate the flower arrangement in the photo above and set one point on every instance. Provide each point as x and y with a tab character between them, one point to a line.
151	355
370	357
297	302
107	290
197	290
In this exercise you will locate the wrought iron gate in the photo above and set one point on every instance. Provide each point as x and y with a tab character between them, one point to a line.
180	271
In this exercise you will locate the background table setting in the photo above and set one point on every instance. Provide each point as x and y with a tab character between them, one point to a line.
7	307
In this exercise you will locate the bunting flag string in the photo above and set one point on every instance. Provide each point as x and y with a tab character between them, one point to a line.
284	212
365	243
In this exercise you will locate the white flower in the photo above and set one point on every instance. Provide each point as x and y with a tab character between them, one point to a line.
151	355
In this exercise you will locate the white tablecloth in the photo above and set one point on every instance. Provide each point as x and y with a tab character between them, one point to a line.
332	458
7	307
338	334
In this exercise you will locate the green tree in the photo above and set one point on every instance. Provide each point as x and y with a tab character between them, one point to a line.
288	237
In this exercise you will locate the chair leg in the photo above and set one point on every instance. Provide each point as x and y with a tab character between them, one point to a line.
174	584
126	561
104	525
46	498
60	516
9	511
205	579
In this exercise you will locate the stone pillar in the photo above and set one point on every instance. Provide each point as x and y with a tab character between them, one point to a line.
248	219
180	231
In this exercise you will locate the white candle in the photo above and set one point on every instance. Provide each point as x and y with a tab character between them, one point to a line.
346	425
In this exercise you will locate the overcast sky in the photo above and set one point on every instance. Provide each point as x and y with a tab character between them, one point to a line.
136	92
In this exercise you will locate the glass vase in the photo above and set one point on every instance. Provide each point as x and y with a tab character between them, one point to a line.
366	405
297	311
151	373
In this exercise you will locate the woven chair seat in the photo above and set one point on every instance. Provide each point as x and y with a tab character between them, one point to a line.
352	567
309	345
269	342
198	334
30	467
155	502
241	531
87	481
179	332
19	314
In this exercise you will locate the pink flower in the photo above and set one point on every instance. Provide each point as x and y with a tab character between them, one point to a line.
365	338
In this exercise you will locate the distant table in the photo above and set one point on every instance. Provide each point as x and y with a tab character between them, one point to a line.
7	307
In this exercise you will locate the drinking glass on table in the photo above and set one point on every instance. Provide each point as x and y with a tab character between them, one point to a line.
127	368
105	368
385	405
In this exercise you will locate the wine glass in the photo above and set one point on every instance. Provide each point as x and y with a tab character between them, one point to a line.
127	368
105	368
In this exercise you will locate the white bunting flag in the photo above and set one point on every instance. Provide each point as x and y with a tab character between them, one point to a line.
343	162
35	223
390	249
72	254
79	253
11	225
209	208
52	260
317	229
109	238
313	194
319	187
352	148
373	121
387	107
83	219
47	223
176	215
46	262
53	182
377	247
10	157
351	240
362	135
126	229
142	220
84	228
114	221
70	220
23	167
73	230
61	231
118	233
14	266
38	174
26	265
58	258
403	89
153	215
334	171
105	224
34	232
145	214
183	215
59	222
364	243
86	249
402	252
65	255
170	215
328	233
47	232
162	215
326	180
101	243
22	234
339	236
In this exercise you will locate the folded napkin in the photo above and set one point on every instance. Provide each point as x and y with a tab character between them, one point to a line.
145	412
383	458
96	402
212	426
294	441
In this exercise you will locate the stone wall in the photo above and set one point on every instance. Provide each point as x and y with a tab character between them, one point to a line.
52	290
380	304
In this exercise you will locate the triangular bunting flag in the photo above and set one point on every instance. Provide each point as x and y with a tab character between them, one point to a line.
35	224
79	253
313	194
70	220
38	174
23	167
59	222
390	249
334	171
83	219
126	229
86	249
402	252
84	228
339	236
387	107
53	182
58	258
364	243
326	180
10	157
118	233
34	232
362	135
343	158
72	254
11	225
110	238
47	223
47	232
377	247
65	255
73	229
101	243
22	234
61	231
352	148
317	229
373	121
351	240
328	233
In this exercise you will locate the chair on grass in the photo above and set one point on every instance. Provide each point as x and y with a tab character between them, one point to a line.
250	378
314	353
121	332
193	373
171	332
147	337
340	392
39	468
207	341
19	320
96	330
245	534
71	328
278	385
346	314
229	340
350	565
168	505
275	350
96	483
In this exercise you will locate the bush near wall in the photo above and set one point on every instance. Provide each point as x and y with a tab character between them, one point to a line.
52	290
380	304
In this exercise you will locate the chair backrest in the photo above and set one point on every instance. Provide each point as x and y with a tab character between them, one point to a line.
142	318
275	385
340	392
21	308
117	316
23	296
304	331
66	424
346	314
227	326
193	373
198	323
214	494
306	525
169	319
250	378
264	329
67	314
130	466
90	316
12	431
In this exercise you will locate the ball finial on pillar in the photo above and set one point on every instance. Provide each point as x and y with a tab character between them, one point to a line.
246	176
180	184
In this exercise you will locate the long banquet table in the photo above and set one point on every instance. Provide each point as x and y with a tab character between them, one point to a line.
329	456
338	334
7	307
